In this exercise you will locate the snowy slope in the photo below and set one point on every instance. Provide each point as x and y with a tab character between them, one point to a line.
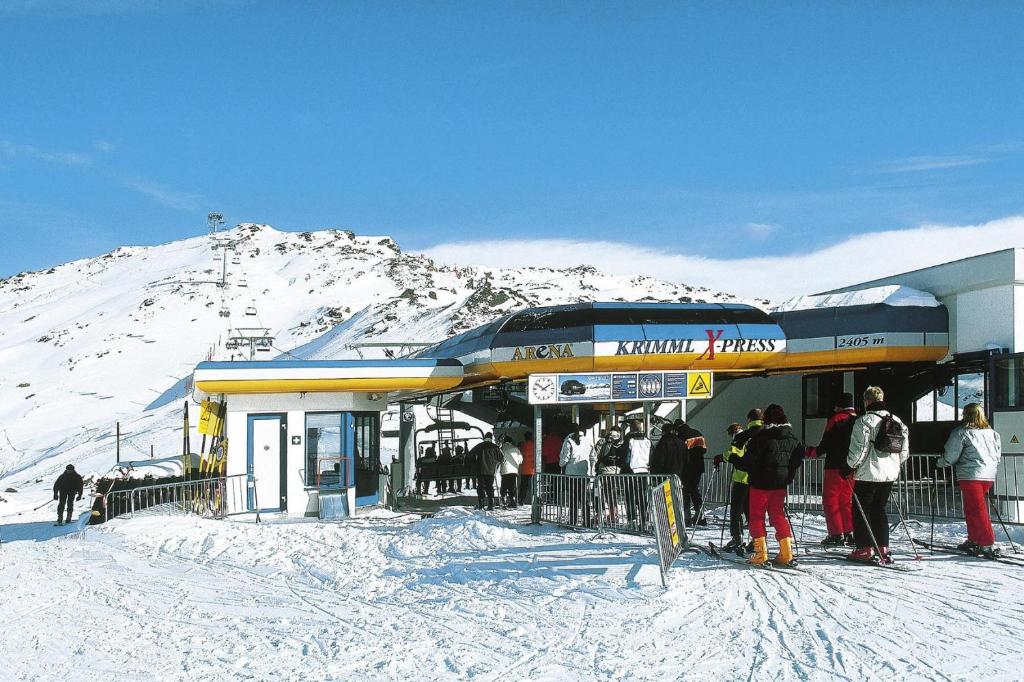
469	596
96	341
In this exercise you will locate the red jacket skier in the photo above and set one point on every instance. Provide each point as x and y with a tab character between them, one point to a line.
837	494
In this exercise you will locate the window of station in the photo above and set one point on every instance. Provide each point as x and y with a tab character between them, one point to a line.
326	454
946	403
821	391
1009	383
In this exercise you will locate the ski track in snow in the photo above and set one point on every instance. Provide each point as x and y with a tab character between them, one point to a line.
469	596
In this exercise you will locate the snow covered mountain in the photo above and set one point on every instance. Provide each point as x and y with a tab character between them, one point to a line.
96	341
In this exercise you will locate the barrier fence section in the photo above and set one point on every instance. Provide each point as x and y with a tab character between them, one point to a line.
921	490
209	497
669	525
617	502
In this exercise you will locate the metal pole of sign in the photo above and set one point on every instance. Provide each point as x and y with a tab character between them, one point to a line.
611	415
538	438
647	419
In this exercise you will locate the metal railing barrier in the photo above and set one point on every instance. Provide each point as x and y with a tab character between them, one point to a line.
921	490
216	498
616	502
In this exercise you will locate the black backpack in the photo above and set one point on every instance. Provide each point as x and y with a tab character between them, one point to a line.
890	437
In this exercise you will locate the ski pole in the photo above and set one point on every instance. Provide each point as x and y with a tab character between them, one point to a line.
725	517
43	505
933	496
917	555
703	499
796	545
995	506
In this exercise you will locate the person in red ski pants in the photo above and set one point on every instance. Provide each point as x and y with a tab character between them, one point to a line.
837	493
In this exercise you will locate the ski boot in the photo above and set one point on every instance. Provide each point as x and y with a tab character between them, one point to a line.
864	554
833	541
848	540
785	556
885	557
990	552
969	547
760	557
734	545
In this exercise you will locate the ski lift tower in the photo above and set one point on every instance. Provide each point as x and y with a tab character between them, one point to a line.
214	220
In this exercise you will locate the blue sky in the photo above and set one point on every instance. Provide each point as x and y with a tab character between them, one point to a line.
712	129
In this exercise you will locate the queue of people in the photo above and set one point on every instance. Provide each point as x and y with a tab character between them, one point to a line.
863	457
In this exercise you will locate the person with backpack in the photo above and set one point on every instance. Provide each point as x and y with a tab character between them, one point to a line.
483	461
974	448
739	493
512	458
772	457
66	489
879	445
837	490
693	468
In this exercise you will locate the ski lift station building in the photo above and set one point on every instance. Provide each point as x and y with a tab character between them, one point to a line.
934	339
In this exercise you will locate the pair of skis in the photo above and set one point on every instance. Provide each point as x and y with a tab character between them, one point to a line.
723	555
951	549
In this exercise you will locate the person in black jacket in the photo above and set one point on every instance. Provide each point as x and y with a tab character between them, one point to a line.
668	455
693	468
483	461
772	458
67	486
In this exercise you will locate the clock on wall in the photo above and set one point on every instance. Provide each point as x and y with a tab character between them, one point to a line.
543	389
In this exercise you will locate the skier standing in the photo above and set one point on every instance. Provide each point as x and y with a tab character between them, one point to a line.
577	458
772	457
669	455
837	491
511	459
696	447
879	445
528	468
637	455
974	448
739	494
483	461
65	488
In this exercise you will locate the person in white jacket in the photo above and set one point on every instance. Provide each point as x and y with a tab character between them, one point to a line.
577	460
974	449
509	470
879	445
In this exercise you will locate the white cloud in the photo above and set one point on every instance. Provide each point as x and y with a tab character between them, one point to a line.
762	230
104	146
861	258
915	164
172	198
15	150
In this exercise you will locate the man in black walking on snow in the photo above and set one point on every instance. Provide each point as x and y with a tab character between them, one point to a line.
483	461
65	488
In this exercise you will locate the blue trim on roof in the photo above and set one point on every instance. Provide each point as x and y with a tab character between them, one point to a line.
329	364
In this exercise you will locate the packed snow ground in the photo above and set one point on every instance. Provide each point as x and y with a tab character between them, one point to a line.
468	595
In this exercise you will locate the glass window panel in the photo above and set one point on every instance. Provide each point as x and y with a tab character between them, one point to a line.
924	408
1010	383
970	389
323	449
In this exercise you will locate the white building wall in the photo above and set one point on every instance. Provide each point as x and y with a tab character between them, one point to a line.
302	500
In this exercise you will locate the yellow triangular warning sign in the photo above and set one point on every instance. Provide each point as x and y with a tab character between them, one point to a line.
699	385
1014	439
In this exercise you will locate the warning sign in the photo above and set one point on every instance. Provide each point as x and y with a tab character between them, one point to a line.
699	384
671	514
1014	439
210	418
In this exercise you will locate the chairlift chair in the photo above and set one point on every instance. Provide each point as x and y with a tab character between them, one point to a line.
250	311
242	283
236	261
231	344
225	312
